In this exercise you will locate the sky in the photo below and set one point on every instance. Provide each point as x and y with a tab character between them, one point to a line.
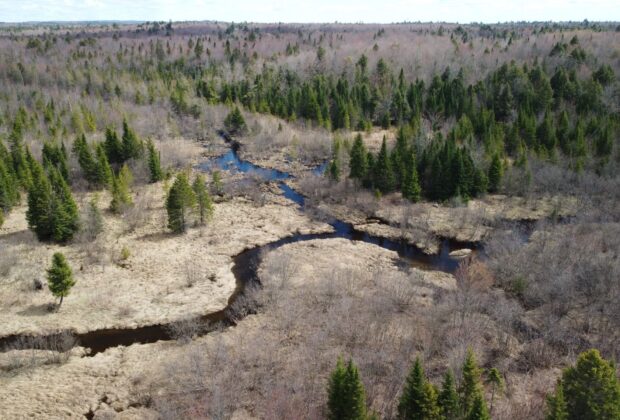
369	11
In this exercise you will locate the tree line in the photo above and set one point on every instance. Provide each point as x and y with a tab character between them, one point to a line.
588	390
441	170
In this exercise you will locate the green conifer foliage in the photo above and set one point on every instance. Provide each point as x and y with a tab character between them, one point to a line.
591	389
204	204
383	176
131	145
358	159
181	199
448	399
495	174
346	396
60	277
155	170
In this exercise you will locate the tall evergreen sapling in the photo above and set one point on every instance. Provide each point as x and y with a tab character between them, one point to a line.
60	277
181	199
155	171
204	204
346	396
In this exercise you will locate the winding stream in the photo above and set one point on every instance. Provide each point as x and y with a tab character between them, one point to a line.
245	265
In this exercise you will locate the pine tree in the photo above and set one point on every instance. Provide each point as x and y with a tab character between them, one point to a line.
495	174
591	388
470	384
131	144
180	200
448	399
358	159
59	277
346	397
204	205
18	155
383	178
154	163
556	405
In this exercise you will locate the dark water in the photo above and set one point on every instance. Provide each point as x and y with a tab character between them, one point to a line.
411	255
245	266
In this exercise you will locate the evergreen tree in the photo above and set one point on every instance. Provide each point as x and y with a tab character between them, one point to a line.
411	187
448	399
39	213
234	122
204	205
546	133
9	187
121	197
64	210
55	156
131	144
346	397
18	155
52	213
479	409
470	384
495	174
419	398
59	277
334	170
113	146
154	163
556	405
180	200
103	175
590	389
358	159
494	378
383	177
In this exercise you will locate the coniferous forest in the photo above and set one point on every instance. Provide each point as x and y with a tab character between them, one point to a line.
290	221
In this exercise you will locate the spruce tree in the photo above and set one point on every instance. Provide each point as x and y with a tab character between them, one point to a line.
448	399
470	384
494	378
155	171
358	159
419	398
55	156
39	213
411	187
346	397
131	144
495	174
234	121
556	405
103	172
121	197
180	200
64	210
113	146
479	409
383	178
59	277
591	388
204	205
